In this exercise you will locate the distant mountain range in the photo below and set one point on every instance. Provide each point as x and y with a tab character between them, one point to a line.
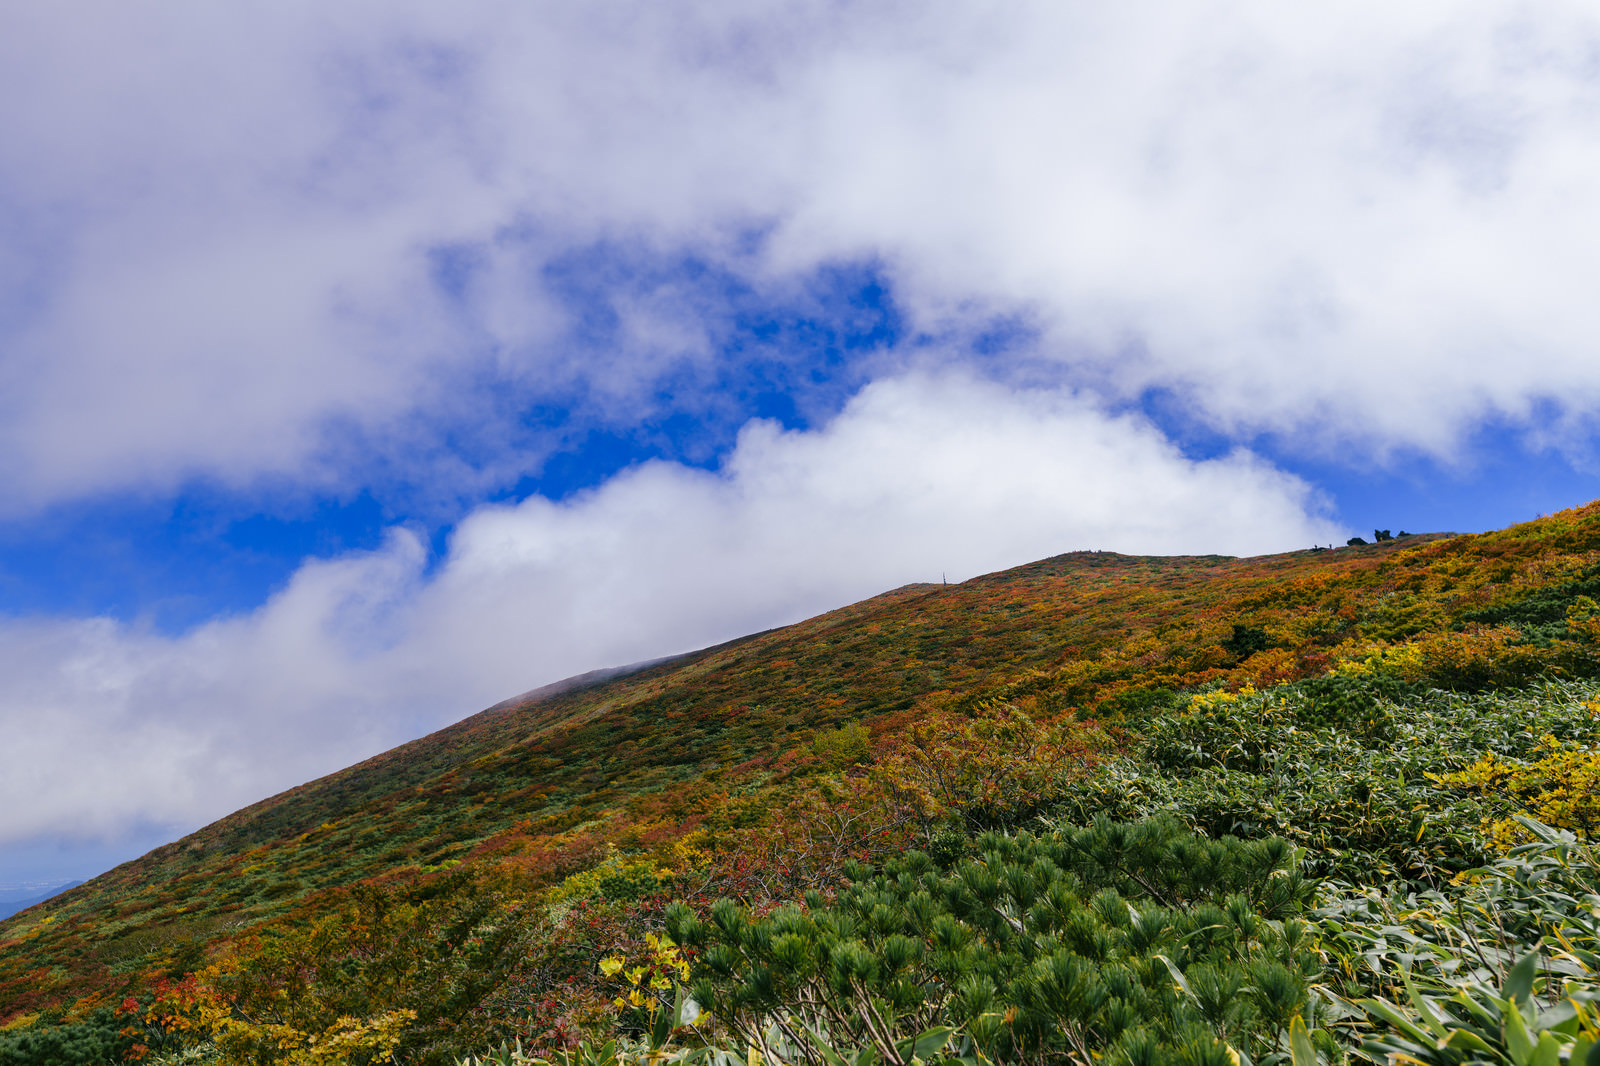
20	898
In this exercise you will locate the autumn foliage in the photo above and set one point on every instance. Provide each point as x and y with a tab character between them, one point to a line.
462	891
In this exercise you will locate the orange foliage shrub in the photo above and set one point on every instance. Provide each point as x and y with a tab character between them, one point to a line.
997	768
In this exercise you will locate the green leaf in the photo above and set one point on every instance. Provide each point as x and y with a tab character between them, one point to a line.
1589	959
1177	976
1518	1042
830	1056
1562	1018
1466	1039
1539	829
1429	1018
660	1028
1301	1053
1485	1008
1391	1014
1519	982
926	1045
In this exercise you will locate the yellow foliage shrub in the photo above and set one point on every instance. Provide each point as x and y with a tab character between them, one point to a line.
647	979
1205	701
283	1036
618	874
1469	659
1560	788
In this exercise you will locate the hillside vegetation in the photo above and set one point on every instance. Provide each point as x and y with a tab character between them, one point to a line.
1320	806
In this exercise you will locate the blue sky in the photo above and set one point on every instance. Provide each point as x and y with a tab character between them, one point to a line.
363	366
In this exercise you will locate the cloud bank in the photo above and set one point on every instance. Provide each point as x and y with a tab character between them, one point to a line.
920	477
225	230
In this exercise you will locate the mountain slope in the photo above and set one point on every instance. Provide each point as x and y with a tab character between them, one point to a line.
550	783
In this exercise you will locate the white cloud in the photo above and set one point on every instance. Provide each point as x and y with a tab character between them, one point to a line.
1369	220
111	728
920	476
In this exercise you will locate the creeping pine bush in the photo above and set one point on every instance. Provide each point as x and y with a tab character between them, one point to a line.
1129	944
96	1038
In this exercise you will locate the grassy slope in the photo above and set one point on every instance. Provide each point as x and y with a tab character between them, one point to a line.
551	779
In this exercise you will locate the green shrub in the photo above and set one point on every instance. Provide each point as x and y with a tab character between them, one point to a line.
1500	968
1139	942
843	747
1307	762
1245	641
93	1041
